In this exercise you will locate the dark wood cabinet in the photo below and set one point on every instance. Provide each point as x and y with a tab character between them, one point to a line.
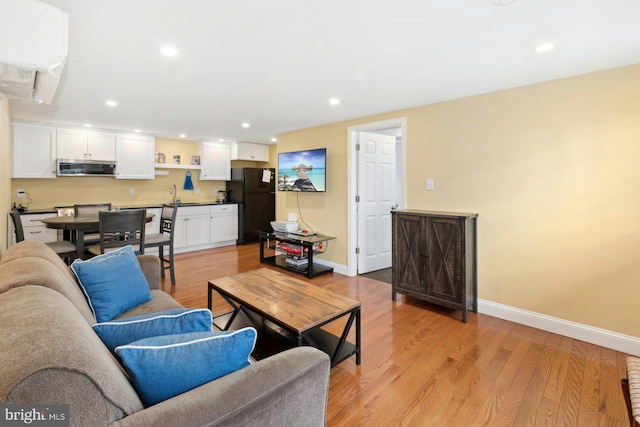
434	258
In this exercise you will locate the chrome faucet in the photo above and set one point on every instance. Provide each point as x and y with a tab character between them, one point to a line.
174	191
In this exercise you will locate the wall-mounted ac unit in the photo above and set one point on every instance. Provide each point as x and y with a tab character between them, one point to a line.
34	40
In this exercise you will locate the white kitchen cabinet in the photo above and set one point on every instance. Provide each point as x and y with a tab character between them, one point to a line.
153	226
34	151
215	161
249	151
85	145
223	225
192	226
135	155
34	228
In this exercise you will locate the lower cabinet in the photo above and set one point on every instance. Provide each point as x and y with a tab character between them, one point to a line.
192	226
34	228
434	258
203	227
223	223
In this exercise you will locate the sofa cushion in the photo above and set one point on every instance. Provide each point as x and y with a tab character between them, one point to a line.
160	301
50	354
113	282
166	366
179	321
37	271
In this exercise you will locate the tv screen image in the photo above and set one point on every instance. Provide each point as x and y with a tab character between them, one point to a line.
302	170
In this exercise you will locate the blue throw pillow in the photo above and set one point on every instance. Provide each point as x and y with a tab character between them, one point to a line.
169	365
178	321
113	282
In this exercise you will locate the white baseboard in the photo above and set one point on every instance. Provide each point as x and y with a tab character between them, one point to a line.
590	334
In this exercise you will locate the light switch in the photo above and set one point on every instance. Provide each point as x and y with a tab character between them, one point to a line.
429	184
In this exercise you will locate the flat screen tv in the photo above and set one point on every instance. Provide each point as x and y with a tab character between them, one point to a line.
302	170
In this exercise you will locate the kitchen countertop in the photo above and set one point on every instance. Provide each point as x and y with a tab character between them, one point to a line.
54	210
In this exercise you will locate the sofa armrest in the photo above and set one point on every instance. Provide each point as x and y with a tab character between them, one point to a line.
290	388
150	265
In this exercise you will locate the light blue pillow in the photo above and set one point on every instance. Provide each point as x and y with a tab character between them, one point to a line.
113	282
178	321
169	365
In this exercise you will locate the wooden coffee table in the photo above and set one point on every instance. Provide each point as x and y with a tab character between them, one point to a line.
287	312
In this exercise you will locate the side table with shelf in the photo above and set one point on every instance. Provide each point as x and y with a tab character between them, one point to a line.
294	252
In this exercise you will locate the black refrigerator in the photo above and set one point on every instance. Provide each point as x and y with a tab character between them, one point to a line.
254	190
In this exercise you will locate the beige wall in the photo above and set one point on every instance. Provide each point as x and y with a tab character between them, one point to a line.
552	169
66	191
5	169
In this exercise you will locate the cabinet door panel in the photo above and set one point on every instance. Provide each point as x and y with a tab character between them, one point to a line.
101	146
72	144
444	240
34	152
134	154
224	227
198	230
180	233
215	161
409	249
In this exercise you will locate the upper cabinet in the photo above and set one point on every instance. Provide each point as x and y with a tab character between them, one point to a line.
215	161
249	151
134	154
86	145
36	148
34	151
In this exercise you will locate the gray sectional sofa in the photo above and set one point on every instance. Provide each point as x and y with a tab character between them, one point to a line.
49	354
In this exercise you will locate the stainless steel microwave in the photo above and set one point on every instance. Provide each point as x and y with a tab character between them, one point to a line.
70	167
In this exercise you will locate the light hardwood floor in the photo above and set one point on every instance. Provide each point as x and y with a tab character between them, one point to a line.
421	366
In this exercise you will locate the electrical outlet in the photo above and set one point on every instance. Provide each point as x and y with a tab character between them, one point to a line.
429	184
20	194
132	191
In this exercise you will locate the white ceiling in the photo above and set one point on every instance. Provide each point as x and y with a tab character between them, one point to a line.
276	63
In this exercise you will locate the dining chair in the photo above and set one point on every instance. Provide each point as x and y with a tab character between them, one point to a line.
91	237
164	238
120	228
64	248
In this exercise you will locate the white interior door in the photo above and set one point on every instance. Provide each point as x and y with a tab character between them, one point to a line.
377	195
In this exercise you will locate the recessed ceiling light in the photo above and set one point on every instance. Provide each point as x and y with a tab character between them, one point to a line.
221	140
544	47
88	125
111	103
169	51
182	135
245	125
274	139
334	101
137	130
502	2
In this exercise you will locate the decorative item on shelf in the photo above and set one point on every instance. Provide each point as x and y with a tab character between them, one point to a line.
188	184
176	159
161	158
195	160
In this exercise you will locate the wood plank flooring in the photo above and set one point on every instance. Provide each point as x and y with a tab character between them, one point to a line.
421	366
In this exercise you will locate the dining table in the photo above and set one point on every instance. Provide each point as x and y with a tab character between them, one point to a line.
77	226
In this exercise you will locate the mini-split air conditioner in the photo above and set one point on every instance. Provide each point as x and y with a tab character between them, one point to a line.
34	40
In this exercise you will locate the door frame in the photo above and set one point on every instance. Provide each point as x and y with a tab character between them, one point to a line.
352	178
